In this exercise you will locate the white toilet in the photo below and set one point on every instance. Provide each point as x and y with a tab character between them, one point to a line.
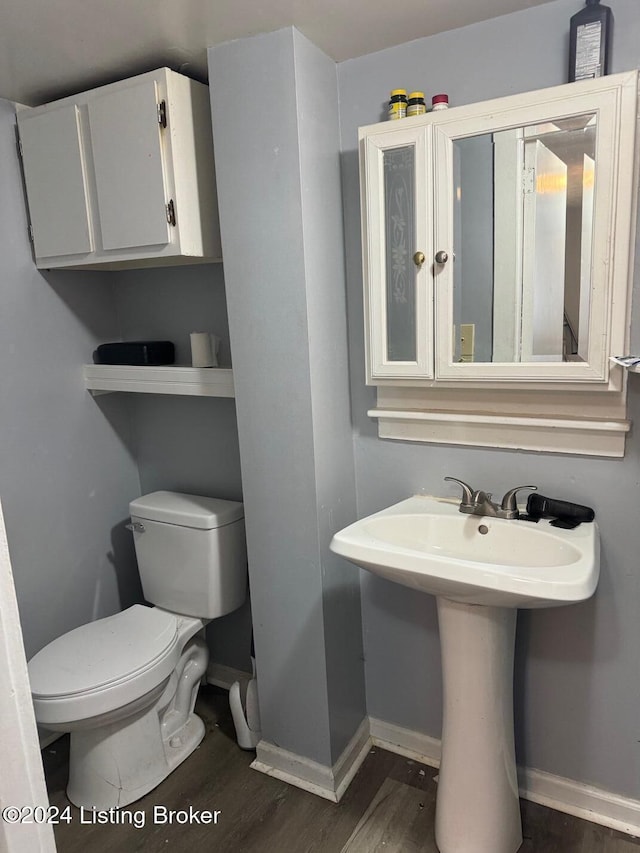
125	686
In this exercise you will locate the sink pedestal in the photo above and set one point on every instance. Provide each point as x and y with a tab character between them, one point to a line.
477	808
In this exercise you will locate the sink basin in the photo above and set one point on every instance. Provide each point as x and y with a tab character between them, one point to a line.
426	543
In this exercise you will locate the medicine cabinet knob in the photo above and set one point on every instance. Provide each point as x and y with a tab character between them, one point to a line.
441	257
419	259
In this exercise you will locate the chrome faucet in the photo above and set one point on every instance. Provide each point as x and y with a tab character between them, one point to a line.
478	502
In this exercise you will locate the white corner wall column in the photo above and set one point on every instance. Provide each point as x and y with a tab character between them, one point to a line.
22	779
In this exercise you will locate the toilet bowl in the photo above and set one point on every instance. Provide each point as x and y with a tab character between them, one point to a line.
125	686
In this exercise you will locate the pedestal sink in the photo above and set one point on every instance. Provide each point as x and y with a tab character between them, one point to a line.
481	570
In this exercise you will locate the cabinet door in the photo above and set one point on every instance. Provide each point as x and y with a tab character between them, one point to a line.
397	188
129	168
533	195
55	180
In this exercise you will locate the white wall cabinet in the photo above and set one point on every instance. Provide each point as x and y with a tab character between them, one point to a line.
497	260
122	176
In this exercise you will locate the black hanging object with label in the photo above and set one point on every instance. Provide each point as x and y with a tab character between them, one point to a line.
590	41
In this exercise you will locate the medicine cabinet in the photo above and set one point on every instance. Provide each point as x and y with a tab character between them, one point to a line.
122	176
498	257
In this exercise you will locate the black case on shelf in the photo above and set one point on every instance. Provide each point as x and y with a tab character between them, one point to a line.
136	353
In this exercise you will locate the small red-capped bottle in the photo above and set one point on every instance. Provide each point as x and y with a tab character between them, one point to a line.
439	102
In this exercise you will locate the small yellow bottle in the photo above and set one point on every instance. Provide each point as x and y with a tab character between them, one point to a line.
398	104
416	105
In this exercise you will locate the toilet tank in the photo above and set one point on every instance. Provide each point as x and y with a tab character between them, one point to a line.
191	552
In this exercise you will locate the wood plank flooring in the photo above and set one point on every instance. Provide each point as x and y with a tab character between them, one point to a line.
389	806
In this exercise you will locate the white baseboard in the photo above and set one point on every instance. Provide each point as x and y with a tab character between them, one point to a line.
580	800
327	782
224	676
555	792
547	789
405	742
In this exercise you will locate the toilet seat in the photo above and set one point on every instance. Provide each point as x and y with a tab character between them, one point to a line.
104	665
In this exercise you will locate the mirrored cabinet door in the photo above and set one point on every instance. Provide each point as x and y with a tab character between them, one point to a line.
528	199
398	254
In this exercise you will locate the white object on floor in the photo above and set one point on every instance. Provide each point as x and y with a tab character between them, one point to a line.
246	719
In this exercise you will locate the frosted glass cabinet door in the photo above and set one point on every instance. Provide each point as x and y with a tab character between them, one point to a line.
397	254
55	179
128	162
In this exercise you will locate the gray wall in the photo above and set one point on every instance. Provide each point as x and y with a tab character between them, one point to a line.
577	684
274	102
171	302
67	470
186	444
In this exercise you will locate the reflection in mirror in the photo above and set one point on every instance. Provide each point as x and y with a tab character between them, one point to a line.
523	225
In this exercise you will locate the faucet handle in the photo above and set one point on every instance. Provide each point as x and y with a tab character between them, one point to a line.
467	492
509	502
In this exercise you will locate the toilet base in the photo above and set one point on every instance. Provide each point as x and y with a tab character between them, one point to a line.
115	763
113	766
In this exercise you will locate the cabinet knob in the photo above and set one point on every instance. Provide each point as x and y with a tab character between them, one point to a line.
419	259
441	257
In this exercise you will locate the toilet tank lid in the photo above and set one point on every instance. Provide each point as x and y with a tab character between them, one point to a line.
187	510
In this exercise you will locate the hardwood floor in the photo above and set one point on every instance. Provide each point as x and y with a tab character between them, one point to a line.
390	807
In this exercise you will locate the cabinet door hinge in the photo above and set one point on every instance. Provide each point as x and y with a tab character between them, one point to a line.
30	233
18	142
171	212
528	181
162	113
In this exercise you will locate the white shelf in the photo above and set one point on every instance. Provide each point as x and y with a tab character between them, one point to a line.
190	381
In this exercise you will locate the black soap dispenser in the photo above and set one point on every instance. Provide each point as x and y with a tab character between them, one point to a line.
590	41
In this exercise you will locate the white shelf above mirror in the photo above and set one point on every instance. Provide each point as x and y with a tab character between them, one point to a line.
189	381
